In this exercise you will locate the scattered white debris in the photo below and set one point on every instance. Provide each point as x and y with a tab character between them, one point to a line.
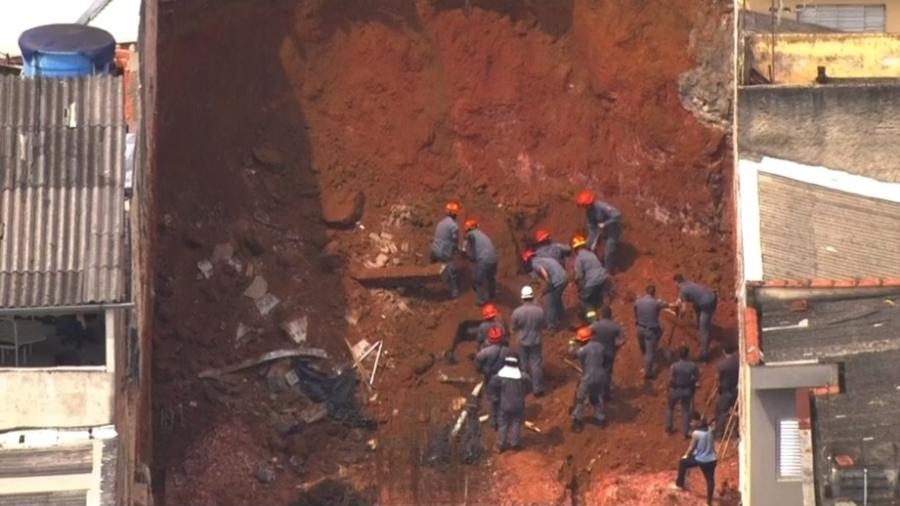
296	329
257	289
830	249
206	268
266	304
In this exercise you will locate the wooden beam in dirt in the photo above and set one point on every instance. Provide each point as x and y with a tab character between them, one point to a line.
398	276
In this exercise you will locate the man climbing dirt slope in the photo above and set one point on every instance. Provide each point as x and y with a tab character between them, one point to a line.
274	115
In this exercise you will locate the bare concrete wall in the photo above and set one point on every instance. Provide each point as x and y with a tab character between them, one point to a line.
55	398
853	128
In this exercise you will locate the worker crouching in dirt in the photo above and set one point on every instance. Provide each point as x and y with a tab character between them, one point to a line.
683	378
700	453
545	247
507	391
445	247
555	281
594	376
528	323
600	217
609	334
647	327
592	279
480	250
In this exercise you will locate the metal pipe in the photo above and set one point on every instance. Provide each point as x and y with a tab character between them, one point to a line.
51	310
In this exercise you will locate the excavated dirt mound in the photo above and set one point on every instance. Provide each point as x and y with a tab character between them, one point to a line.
268	109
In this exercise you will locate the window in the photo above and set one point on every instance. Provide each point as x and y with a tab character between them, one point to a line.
846	18
790	462
53	340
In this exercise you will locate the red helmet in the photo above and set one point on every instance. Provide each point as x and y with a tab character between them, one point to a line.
527	255
470	224
584	334
452	207
495	334
541	235
584	198
489	311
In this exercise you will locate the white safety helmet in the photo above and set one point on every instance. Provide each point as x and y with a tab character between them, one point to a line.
527	292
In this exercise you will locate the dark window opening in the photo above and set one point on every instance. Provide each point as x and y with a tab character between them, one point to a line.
65	340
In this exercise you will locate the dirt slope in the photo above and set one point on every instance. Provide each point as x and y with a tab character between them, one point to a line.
510	106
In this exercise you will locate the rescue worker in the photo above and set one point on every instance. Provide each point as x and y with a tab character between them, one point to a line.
648	330
700	453
683	378
594	376
592	279
445	247
528	323
609	334
491	324
545	247
704	301
555	279
480	250
490	359
728	368
601	217
507	391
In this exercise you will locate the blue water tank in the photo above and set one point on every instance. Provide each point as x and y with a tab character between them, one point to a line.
66	50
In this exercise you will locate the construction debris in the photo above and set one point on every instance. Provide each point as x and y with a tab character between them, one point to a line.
406	275
443	378
305	353
206	268
314	413
268	156
257	288
296	329
266	304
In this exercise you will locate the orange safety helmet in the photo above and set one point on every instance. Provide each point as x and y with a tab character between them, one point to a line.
470	224
453	207
584	198
541	235
584	334
578	241
527	255
495	334
489	311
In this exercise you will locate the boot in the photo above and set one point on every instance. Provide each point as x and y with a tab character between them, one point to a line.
577	426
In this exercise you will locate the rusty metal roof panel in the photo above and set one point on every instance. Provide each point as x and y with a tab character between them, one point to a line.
808	231
62	158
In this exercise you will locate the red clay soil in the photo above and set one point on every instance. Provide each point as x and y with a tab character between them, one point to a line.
510	106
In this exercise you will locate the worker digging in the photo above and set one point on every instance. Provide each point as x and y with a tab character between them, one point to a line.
368	169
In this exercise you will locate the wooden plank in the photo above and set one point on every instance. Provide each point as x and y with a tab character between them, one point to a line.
46	462
399	275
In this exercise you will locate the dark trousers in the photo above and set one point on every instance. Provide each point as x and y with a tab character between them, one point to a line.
709	473
484	281
724	402
648	339
611	232
449	274
532	362
553	306
590	391
591	297
610	363
704	323
509	428
685	397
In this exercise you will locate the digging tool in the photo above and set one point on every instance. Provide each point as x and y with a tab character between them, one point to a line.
516	245
476	392
712	395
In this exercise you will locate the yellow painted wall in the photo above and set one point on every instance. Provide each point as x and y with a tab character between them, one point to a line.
891	11
842	54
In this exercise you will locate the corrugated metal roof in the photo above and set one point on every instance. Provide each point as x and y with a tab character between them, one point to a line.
62	158
808	231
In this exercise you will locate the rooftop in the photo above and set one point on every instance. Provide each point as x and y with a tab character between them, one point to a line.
62	203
